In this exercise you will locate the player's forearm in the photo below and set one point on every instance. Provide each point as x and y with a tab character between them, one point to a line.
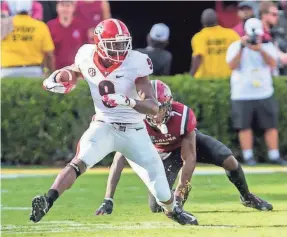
183	185
235	62
114	176
147	106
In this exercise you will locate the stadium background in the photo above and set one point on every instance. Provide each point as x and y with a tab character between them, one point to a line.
183	19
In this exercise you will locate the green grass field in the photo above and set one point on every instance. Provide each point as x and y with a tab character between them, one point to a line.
214	201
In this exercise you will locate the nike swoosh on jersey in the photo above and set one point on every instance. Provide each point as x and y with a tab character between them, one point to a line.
119	76
137	129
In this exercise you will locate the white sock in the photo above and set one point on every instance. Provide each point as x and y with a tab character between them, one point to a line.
273	154
247	154
167	207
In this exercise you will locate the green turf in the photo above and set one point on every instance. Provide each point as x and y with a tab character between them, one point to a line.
214	201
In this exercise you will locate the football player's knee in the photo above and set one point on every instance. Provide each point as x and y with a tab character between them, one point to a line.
230	163
78	166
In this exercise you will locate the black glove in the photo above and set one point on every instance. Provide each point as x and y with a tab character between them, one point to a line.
105	208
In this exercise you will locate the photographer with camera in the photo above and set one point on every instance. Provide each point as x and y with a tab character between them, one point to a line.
251	60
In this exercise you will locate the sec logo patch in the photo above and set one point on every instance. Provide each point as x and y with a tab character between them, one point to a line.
92	72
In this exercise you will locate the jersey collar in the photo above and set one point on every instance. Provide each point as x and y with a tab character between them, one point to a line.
105	71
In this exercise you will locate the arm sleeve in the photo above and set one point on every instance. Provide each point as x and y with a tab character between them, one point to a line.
48	44
232	50
145	66
197	45
188	122
82	53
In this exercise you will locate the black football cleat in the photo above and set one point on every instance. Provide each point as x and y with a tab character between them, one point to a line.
182	217
40	207
255	202
105	208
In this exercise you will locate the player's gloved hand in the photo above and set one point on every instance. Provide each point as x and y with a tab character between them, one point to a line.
105	208
52	85
118	99
180	200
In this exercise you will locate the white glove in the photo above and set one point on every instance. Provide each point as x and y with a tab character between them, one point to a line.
118	99
50	84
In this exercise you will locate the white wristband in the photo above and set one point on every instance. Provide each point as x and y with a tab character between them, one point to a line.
132	102
109	199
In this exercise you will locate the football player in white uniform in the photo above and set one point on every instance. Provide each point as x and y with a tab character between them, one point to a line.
122	95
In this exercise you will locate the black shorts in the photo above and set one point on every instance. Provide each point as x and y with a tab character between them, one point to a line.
208	151
264	111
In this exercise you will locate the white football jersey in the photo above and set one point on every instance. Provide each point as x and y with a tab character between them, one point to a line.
119	81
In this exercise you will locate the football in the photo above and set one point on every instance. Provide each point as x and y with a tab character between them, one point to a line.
67	76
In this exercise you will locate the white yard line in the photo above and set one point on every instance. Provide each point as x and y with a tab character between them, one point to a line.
16	176
52	227
70	226
201	171
15	208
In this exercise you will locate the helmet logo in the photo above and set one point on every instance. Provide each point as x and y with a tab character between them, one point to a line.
99	30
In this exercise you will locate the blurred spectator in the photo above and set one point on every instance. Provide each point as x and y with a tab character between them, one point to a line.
157	40
10	8
24	49
270	16
68	33
209	48
280	37
252	90
255	6
245	11
92	13
227	16
49	10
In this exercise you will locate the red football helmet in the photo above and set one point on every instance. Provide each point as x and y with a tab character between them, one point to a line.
164	98
113	40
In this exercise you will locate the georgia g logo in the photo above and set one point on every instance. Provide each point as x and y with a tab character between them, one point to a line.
99	30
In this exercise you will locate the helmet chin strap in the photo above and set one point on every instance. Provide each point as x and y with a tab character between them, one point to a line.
163	128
